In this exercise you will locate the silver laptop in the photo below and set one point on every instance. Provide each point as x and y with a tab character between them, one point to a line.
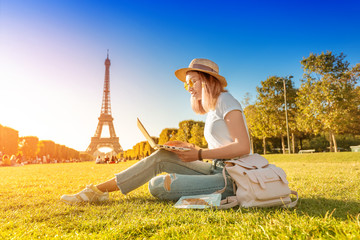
152	142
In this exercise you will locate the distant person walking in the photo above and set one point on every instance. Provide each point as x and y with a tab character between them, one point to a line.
226	134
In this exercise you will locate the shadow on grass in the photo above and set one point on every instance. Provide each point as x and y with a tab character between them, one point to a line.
319	207
136	200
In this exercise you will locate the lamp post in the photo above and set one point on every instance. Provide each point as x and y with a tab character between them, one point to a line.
286	117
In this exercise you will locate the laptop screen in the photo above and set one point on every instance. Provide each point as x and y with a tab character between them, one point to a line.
146	134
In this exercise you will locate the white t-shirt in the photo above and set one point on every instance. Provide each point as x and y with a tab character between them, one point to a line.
216	132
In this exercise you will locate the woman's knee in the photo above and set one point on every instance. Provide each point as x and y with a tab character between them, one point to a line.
160	186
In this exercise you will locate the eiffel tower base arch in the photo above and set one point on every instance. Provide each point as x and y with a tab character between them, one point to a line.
97	143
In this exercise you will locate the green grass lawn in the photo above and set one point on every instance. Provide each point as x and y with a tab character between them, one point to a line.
329	205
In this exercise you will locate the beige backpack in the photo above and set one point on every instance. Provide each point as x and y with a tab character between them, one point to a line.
258	184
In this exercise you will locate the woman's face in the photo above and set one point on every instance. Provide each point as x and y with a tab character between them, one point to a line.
194	82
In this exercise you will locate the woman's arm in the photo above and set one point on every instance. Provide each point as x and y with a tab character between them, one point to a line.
240	145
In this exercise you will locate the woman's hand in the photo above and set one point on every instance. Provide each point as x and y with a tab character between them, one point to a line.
185	156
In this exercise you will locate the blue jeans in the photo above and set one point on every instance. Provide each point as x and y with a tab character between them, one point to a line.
184	178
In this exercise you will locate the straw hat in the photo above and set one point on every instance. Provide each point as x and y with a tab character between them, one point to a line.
201	65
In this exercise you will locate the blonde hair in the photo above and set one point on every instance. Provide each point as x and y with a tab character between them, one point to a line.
211	89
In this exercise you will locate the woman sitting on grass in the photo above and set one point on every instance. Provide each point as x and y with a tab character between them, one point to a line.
226	134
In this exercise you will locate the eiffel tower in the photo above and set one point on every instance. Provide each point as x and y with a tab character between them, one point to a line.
105	119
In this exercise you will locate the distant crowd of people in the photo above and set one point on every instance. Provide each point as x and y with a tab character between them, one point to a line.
18	160
106	160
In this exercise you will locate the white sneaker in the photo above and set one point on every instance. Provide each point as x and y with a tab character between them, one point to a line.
90	194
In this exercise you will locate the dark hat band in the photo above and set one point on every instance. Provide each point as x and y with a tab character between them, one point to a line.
203	67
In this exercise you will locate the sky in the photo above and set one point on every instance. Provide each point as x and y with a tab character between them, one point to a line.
52	57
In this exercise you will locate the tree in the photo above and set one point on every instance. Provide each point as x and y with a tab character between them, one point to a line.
128	154
197	135
63	152
184	132
147	150
58	152
136	152
167	134
249	112
8	140
73	154
140	150
353	125
46	148
258	123
327	98
271	103
28	146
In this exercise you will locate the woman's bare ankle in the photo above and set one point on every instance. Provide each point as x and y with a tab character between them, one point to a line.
108	186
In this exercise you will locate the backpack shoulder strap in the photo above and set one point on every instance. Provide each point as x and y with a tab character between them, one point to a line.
229	202
225	179
293	203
